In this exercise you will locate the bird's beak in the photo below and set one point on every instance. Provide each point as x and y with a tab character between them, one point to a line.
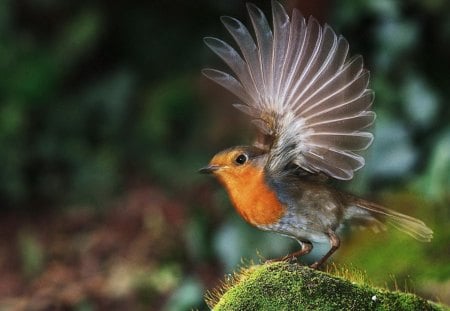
208	169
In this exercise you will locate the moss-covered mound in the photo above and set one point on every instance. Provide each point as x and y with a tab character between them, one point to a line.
285	286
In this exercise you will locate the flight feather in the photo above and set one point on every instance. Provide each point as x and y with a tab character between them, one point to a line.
301	87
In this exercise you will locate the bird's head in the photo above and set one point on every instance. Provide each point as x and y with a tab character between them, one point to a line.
235	163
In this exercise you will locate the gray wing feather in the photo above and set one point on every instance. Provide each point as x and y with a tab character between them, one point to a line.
301	88
264	39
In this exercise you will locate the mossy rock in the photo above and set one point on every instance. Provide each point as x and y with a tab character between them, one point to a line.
287	286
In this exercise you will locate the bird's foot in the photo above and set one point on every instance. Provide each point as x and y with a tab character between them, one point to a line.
282	259
287	259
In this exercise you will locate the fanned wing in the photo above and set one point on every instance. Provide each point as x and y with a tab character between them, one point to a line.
302	89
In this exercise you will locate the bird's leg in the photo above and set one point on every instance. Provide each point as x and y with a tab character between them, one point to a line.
335	242
305	248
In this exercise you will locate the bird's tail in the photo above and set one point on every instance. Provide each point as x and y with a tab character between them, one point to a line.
377	215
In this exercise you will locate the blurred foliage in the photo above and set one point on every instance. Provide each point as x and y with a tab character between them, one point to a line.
32	254
85	106
98	98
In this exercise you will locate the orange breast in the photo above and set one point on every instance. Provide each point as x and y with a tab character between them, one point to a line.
253	199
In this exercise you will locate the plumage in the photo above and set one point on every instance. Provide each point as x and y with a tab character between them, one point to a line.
302	89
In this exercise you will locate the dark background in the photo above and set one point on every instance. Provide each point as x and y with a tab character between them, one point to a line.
105	119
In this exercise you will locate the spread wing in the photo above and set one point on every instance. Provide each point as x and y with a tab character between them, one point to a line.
302	89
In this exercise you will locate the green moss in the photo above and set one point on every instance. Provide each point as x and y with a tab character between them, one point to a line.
285	286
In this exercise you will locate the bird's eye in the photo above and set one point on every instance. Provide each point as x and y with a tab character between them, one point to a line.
241	159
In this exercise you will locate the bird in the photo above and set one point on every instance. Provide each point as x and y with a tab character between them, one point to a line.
310	103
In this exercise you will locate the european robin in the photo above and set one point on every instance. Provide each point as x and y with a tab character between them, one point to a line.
310	102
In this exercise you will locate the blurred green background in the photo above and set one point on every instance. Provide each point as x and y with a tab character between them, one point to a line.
105	119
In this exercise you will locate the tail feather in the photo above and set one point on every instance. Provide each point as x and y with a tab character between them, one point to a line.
407	224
